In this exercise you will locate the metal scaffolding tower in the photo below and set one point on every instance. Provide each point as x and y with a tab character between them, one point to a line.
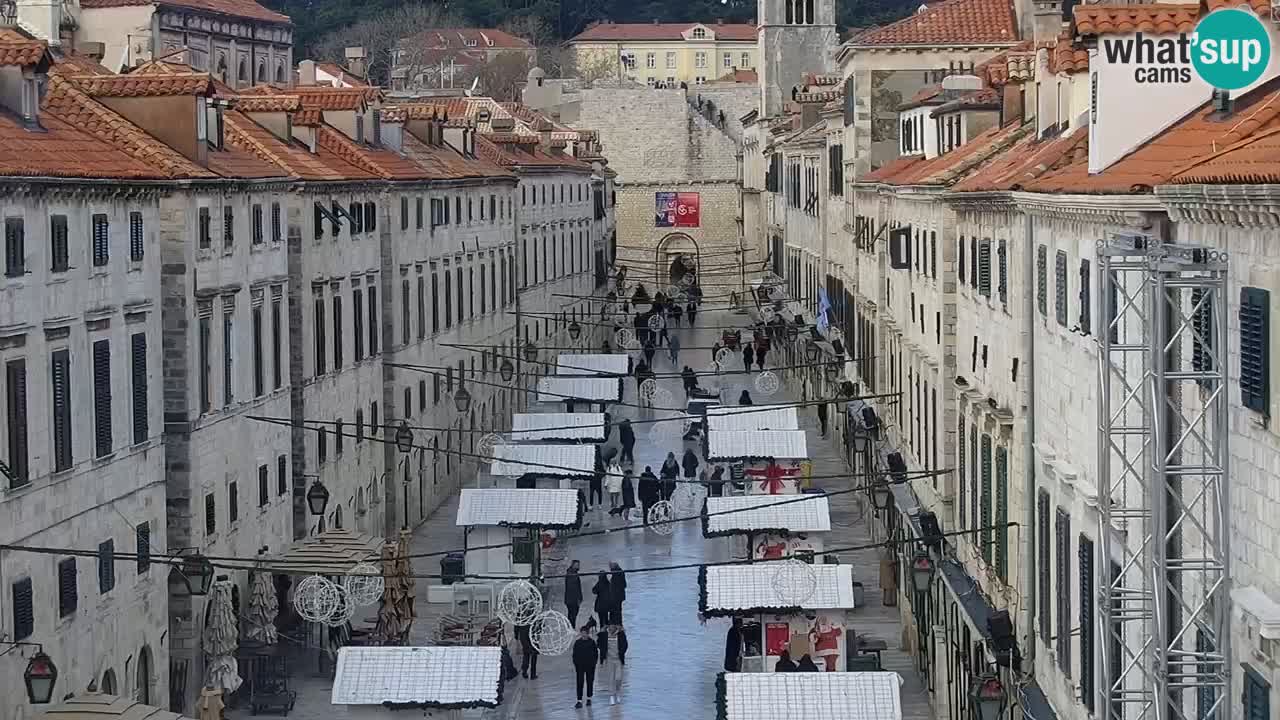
1163	568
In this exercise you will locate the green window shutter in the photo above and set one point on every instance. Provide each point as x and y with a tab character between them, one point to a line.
1255	357
1002	514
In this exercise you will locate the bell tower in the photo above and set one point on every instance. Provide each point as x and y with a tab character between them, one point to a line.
795	37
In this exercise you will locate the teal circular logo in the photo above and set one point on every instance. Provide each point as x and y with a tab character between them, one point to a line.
1230	49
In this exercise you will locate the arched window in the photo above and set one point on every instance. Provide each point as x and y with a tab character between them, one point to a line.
262	73
280	73
143	692
242	71
108	686
221	72
337	518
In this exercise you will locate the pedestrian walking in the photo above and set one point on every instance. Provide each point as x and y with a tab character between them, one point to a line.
650	351
528	653
715	350
572	592
717	482
628	438
733	647
675	311
613	486
628	494
649	491
596	494
604	598
690	464
663	333
692	311
822	418
618	662
748	355
673	349
670	471
744	398
762	350
618	586
585	655
690	380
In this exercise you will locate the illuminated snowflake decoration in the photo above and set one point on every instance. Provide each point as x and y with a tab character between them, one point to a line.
688	262
712	369
767	383
660	517
661	433
655	322
794	582
723	355
662	398
488	442
363	585
648	389
624	337
688	498
345	610
519	602
551	633
315	599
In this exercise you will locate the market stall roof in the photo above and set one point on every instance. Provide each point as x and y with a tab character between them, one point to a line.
809	696
749	589
756	445
332	552
99	706
586	389
777	514
546	460
552	508
593	364
427	677
528	427
753	417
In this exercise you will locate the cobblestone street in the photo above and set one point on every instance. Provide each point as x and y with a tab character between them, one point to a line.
673	659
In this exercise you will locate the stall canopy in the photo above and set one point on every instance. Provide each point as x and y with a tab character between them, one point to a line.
737	514
597	364
546	460
524	507
583	389
531	427
332	552
782	417
98	706
809	696
749	589
725	445
421	677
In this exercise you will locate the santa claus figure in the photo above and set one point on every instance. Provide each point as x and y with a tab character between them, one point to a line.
824	636
770	549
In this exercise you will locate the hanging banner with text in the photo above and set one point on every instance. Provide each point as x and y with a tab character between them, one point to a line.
676	209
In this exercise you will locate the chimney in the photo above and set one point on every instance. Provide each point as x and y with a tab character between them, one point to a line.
356	60
95	50
307	72
41	18
1222	105
20	92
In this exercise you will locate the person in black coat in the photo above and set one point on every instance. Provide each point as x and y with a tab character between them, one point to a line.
585	655
733	647
627	437
596	494
806	664
670	471
604	598
717	482
572	592
649	352
690	464
628	493
690	379
785	663
618	586
692	311
748	356
528	653
744	398
649	491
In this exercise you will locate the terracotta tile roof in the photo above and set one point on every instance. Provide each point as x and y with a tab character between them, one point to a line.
73	63
928	95
244	133
1157	18
1196	136
534	119
1016	63
1261	8
170	66
468	38
234	162
308	117
1254	160
64	99
236	8
950	22
613	32
948	168
1066	57
321	97
17	49
378	162
891	169
511	150
986	98
143	85
1027	160
64	151
268	103
446	163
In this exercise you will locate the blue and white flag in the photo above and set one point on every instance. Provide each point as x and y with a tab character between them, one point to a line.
824	305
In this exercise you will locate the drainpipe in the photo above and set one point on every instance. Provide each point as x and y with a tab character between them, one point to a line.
1027	544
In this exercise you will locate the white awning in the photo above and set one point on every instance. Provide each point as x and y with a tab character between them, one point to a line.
812	696
540	507
593	364
812	514
549	460
747	588
560	389
756	444
757	417
530	427
431	676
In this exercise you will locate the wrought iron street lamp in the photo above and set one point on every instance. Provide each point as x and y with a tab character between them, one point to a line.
922	571
881	495
988	697
507	370
41	676
530	351
575	330
834	369
317	497
404	437
191	577
462	400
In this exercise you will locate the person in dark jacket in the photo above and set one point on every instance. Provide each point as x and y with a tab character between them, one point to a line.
618	586
785	663
675	311
585	655
595	492
744	398
604	598
670	471
748	355
806	664
716	488
762	350
627	437
690	380
572	592
649	491
528	653
822	418
628	493
690	464
649	352
692	311
733	647
715	350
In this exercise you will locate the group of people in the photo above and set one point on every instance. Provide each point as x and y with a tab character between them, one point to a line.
610	593
755	351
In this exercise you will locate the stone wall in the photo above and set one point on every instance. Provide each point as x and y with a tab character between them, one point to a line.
716	239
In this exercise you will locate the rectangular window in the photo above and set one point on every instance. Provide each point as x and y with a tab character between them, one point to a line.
206	337
418	213
448	298
259	362
319	325
746	60
357	321
1257	696
15	385
233	501
651	60
1202	339
106	566
1002	515
228	350
264	486
728	60
138	373
1042	280
1002	277
984	522
68	592
277	232
210	515
15	253
256	216
671	61
60	379
1062	533
984	267
422	395
1085	573
373	320
228	226
960	267
101	240
1255	353
339	433
142	544
204	231
404	213
1044	553
24	617
136	237
282	475
1060	289
461	309
435	300
58	247
483	287
422	307
1086	291
277	359
337	331
406	318
700	59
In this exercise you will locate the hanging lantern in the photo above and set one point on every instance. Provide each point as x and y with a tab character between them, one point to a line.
793	332
811	352
988	697
192	577
404	437
317	498
834	369
530	351
575	330
507	370
41	677
881	495
922	571
462	400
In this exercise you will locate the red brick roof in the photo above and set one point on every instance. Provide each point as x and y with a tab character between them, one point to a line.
511	150
342	73
1027	160
482	39
950	22
247	9
446	163
949	168
324	164
613	32
893	168
1067	57
376	161
73	63
1254	160
143	85
1158	18
272	103
65	152
17	49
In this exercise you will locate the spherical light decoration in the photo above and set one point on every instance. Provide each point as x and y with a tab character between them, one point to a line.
519	602
660	517
673	291
551	633
488	442
767	383
688	498
363	585
633	346
624	337
315	599
794	582
663	398
723	355
344	611
648	389
661	433
688	262
687	279
655	322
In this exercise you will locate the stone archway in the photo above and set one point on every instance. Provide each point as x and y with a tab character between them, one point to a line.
671	258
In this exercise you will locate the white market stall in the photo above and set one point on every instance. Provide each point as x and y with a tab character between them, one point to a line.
809	696
768	460
815	627
753	417
594	364
564	463
444	681
772	527
543	427
570	389
505	524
